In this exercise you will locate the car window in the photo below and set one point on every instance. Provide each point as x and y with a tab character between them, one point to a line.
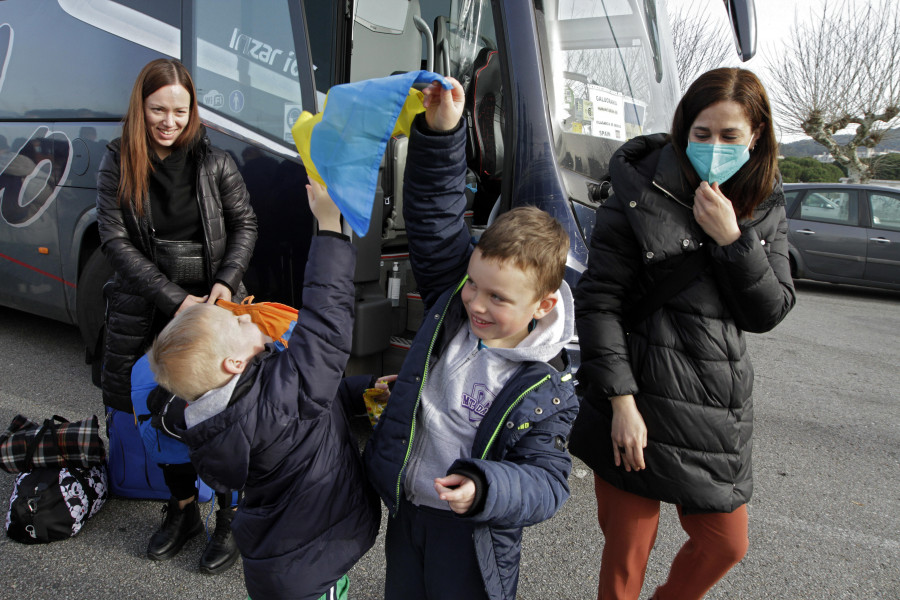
789	198
885	211
830	206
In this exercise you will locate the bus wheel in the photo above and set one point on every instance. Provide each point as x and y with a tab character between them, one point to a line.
90	309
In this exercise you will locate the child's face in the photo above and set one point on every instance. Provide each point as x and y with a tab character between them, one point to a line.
247	340
499	299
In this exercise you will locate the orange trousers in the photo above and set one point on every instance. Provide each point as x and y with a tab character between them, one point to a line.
716	542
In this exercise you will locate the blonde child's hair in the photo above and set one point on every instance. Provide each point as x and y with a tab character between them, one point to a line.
187	356
533	241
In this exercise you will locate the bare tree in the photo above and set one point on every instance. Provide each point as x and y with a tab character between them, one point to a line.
842	70
701	43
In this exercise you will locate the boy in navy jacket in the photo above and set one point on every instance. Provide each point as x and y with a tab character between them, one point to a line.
472	445
275	424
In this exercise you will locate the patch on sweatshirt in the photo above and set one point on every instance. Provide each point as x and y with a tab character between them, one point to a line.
477	402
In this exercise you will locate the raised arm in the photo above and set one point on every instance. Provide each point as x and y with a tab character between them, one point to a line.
320	343
434	198
755	276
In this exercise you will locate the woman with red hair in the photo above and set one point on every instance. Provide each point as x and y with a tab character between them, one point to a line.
177	228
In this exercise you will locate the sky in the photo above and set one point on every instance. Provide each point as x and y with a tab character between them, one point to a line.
775	21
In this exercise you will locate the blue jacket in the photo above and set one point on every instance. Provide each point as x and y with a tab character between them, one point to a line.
519	457
307	514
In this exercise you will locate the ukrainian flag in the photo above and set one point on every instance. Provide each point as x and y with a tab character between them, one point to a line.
342	146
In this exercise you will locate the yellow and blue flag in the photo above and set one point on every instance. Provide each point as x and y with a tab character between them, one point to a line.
342	146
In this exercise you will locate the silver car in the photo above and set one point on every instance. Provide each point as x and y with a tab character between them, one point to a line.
844	233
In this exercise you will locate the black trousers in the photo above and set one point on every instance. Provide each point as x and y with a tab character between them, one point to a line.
181	479
431	556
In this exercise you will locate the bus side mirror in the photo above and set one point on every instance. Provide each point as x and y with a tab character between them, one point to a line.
742	15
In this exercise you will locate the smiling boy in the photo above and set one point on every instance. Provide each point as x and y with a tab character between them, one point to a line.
472	446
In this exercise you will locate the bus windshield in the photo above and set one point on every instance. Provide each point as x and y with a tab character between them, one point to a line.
611	76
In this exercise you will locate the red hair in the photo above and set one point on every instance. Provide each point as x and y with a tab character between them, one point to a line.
135	165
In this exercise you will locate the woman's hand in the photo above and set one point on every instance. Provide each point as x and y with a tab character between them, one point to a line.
629	433
219	290
190	301
323	207
443	108
715	214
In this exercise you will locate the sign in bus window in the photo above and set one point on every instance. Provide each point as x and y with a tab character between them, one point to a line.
246	65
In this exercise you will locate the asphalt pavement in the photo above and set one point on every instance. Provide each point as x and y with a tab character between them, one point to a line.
824	518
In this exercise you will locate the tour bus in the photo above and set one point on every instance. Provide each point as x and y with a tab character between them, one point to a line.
553	88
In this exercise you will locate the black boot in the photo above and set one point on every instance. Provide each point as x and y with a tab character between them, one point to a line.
221	551
179	525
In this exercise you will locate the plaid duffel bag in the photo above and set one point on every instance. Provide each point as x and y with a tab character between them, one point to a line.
55	443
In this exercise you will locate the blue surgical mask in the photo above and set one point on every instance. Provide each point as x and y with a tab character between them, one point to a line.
717	162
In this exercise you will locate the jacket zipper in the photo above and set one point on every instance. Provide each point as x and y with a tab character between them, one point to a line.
198	193
412	429
518	400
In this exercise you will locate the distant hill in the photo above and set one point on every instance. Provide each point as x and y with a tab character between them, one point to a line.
807	147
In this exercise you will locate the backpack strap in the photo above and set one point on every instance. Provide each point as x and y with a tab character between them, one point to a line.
35	442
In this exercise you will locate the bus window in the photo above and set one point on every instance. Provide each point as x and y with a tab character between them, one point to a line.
73	56
385	39
246	67
610	79
461	31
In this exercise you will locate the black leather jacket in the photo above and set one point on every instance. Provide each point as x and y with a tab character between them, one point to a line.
138	293
687	363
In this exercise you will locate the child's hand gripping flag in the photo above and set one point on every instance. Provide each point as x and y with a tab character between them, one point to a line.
342	146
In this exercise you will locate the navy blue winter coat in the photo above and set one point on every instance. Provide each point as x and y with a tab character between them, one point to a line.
307	513
519	449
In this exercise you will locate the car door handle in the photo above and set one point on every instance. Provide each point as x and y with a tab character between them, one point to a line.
880	240
806	231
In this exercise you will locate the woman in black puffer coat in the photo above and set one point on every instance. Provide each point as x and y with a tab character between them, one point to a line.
159	186
667	413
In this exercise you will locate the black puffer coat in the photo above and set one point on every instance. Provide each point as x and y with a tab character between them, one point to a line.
138	293
687	363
